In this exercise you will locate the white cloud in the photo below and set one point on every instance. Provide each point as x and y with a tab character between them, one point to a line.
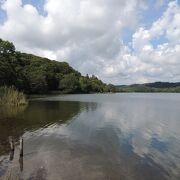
88	33
162	61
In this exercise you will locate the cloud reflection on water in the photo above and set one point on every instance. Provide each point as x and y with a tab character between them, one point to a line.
128	136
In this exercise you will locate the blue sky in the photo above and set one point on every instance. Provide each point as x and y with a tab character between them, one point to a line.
131	41
39	4
2	14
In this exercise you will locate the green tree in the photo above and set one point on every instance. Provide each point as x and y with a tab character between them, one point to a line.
85	84
6	47
37	82
70	83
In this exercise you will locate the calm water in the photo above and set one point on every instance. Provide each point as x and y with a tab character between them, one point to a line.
95	137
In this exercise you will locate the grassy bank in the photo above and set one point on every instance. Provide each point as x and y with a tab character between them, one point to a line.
11	97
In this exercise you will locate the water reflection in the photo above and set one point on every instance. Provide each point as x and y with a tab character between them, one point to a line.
36	117
15	121
151	127
126	136
7	112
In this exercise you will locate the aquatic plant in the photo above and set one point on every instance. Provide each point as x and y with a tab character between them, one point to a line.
12	97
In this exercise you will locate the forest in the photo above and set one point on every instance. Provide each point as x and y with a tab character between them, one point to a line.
36	75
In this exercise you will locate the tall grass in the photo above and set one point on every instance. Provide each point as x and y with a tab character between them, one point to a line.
11	96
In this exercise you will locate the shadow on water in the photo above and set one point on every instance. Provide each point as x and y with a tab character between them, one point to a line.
39	114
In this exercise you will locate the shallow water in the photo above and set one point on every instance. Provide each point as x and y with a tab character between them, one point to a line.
100	136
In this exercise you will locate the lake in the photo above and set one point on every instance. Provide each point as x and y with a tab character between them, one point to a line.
133	136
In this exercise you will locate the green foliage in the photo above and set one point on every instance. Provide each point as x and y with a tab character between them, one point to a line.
36	75
85	84
111	88
11	97
37	82
6	47
69	83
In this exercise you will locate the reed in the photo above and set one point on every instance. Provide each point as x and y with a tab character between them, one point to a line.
12	97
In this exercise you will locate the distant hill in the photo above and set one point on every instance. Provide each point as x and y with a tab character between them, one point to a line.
163	84
150	87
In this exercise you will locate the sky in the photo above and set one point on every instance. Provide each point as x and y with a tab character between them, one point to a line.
121	42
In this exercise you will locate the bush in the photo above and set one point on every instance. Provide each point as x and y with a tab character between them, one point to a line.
11	96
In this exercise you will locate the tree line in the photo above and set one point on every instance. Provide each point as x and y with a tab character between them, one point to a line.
36	75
